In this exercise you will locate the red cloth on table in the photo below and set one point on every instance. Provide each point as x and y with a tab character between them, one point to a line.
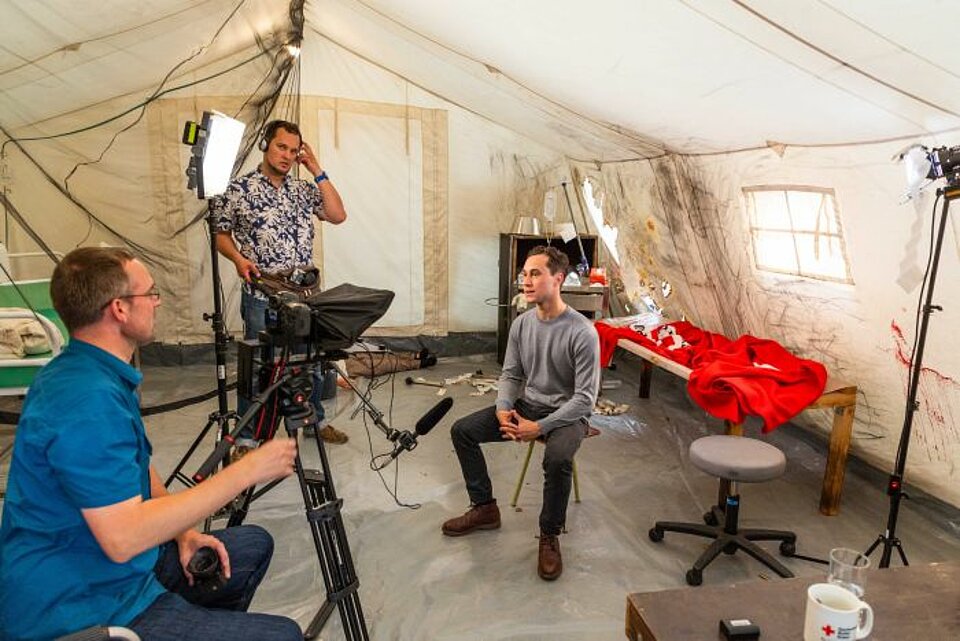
731	379
755	377
698	340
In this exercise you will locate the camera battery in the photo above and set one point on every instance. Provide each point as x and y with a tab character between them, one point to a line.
739	630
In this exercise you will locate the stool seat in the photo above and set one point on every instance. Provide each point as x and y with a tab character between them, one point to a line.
737	458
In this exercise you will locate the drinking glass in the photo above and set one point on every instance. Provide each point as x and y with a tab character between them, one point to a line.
848	569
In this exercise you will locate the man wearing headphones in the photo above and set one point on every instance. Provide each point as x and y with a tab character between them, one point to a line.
265	220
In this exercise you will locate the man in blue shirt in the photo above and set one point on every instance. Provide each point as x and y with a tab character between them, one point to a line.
89	535
265	222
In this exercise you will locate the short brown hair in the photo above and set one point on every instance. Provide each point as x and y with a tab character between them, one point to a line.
557	261
86	280
272	127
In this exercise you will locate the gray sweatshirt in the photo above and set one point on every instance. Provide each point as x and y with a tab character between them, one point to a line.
559	360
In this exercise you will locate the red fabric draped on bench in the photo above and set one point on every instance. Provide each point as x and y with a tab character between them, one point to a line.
730	379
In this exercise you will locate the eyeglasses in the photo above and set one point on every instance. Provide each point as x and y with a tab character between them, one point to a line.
153	294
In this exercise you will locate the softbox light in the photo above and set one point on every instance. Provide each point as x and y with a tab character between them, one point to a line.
214	143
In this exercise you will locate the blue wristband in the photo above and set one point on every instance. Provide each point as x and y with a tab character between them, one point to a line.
319	179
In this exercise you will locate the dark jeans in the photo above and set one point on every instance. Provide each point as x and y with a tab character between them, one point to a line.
561	445
189	613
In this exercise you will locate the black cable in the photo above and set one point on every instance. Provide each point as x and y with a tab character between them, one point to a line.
144	103
811	559
379	461
11	418
153	96
12	211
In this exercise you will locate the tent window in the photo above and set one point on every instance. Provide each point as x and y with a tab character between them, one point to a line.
796	230
608	233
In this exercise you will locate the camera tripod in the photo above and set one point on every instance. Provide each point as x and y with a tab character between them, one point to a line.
322	506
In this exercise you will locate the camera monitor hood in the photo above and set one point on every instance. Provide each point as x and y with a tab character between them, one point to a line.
342	313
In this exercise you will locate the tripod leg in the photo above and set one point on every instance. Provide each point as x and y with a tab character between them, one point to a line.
903	555
215	419
873	546
333	551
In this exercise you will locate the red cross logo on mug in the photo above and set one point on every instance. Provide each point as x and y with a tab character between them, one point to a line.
827	630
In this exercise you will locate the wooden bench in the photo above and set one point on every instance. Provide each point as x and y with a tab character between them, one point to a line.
841	397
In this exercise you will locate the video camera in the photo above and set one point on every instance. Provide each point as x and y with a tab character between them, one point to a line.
327	320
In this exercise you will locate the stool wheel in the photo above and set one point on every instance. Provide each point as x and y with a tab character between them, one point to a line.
694	577
655	534
710	518
788	548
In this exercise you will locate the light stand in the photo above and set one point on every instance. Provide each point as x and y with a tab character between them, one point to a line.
222	417
214	144
895	483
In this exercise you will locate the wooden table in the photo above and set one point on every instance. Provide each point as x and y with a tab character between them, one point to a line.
841	397
920	602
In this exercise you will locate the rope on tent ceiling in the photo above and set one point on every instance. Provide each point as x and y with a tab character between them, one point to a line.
889	41
844	63
151	256
143	108
275	104
74	46
623	132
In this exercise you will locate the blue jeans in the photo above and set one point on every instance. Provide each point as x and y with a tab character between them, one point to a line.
188	613
254	312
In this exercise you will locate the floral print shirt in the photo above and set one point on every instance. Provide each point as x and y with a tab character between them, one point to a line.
271	226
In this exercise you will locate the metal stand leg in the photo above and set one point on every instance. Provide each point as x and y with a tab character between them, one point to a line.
329	537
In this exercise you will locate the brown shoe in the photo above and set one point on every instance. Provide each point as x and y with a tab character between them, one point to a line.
330	434
478	517
549	563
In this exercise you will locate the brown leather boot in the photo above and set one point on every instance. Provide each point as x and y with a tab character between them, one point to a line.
478	517
549	563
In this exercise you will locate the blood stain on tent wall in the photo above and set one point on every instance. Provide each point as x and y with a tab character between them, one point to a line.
935	425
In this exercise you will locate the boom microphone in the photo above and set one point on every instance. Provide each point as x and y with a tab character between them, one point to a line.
407	441
429	420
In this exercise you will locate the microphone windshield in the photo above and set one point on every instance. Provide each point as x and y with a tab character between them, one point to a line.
429	420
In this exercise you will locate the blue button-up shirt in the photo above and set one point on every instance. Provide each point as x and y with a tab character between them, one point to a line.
80	444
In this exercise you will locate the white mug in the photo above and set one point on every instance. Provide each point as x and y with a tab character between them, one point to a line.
835	614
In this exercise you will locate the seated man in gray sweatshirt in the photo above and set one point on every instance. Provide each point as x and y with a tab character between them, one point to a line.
551	373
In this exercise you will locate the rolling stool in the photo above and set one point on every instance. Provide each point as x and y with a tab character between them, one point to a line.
733	459
591	431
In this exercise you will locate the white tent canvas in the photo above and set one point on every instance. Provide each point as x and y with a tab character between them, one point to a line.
443	121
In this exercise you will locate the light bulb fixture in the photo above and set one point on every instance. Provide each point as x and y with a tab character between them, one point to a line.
293	50
214	143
